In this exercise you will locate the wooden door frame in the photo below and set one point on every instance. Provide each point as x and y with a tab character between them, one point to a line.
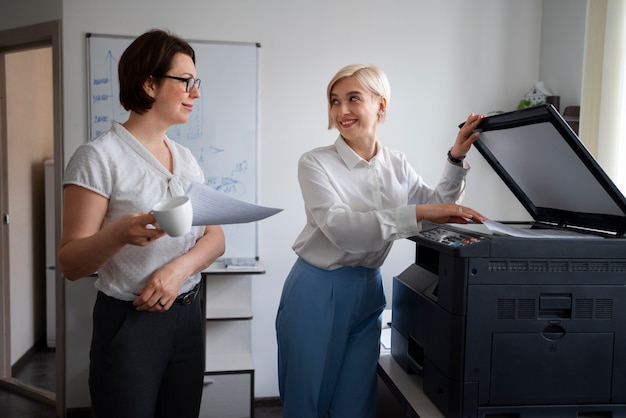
27	37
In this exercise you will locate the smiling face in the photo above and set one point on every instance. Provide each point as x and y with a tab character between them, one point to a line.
354	109
172	103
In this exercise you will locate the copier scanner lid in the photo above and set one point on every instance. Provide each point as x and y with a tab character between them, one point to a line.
542	161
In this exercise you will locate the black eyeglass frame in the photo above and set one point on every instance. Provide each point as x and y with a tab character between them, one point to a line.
190	81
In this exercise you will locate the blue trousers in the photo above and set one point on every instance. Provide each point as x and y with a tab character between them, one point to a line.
146	364
328	331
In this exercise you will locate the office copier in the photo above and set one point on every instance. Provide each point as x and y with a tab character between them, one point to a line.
505	326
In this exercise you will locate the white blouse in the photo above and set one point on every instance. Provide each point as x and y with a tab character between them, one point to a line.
355	209
116	166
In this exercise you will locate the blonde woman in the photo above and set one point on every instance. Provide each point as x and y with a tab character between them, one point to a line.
359	197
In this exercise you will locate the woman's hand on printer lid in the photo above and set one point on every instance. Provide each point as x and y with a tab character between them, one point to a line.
466	137
441	213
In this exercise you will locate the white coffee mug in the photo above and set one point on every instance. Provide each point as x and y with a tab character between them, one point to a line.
174	215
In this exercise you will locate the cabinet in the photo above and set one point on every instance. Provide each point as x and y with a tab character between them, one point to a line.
229	369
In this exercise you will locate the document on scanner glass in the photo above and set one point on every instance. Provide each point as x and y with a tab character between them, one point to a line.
502	229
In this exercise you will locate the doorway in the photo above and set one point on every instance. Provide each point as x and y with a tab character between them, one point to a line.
30	133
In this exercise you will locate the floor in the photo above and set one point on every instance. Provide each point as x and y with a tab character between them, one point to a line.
40	371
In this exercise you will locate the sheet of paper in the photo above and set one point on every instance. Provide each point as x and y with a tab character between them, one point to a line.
211	207
513	231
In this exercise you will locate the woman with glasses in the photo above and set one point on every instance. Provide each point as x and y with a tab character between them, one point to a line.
359	197
147	350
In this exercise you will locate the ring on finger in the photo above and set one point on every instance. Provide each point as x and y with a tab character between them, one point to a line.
161	303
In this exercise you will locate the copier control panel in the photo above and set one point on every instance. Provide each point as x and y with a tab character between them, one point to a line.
450	238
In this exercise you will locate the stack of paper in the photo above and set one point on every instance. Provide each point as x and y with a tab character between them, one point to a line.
240	263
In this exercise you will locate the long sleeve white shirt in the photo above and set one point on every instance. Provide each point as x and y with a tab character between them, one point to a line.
355	208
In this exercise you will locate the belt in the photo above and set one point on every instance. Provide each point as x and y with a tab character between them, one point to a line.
187	298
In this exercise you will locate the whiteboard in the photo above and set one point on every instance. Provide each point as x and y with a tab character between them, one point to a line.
222	128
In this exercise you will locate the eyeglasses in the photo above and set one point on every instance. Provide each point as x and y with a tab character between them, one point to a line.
190	82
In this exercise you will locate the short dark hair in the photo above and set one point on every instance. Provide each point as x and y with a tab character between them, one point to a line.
150	54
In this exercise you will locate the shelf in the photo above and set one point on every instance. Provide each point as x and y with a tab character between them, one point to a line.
228	395
233	313
228	359
571	114
228	297
218	267
228	346
406	387
228	363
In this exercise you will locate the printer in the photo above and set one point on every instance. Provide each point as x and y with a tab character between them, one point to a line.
507	326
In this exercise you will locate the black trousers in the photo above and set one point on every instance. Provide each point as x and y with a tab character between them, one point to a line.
146	364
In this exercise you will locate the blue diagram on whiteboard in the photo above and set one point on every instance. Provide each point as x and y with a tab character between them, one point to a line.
227	185
105	94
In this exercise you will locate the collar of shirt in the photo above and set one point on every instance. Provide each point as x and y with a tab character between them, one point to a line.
351	158
175	181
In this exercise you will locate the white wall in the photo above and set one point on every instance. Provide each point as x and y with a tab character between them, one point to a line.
562	41
27	12
444	59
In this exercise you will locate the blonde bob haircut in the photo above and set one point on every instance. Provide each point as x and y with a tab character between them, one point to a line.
369	76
